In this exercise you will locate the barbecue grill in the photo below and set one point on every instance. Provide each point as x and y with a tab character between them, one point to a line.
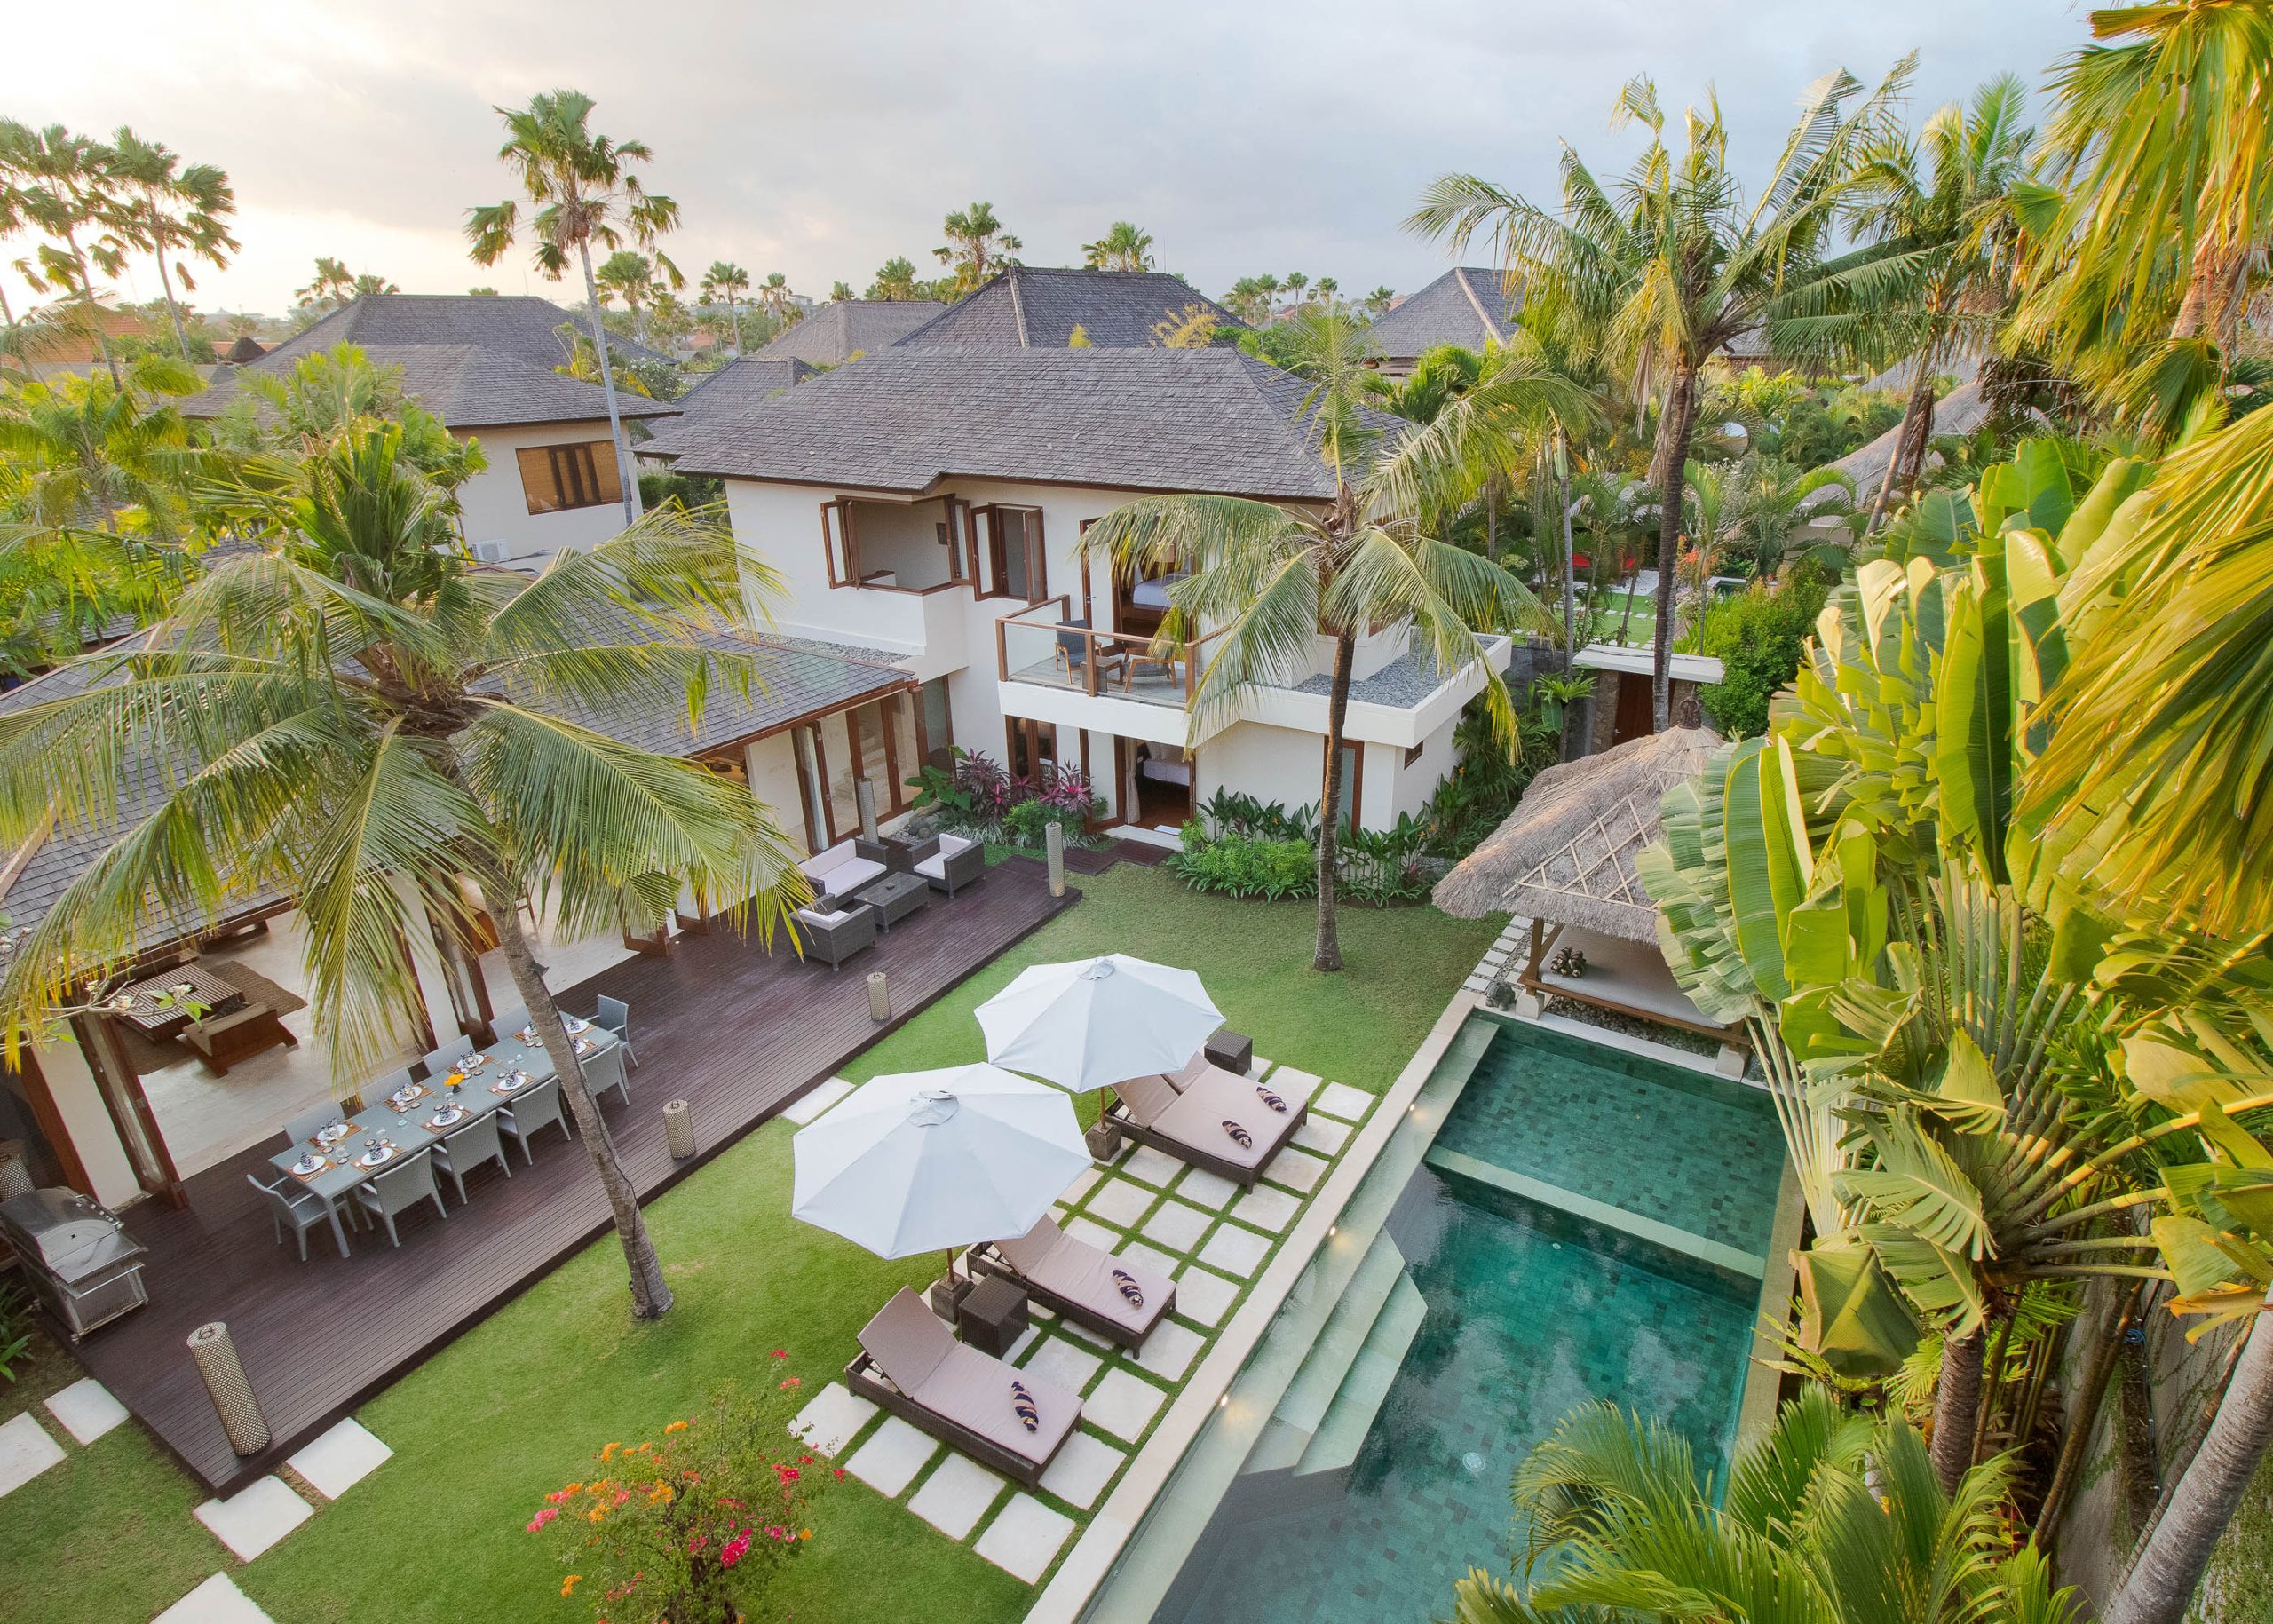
77	1258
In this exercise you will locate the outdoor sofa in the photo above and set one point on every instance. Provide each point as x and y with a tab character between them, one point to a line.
949	861
836	930
840	870
912	1364
1062	1271
1184	1117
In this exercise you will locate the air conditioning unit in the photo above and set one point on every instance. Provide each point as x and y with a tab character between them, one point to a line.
492	552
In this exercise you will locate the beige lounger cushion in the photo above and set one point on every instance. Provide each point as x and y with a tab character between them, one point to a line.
1146	1098
1056	1262
961	1385
1196	1117
906	1341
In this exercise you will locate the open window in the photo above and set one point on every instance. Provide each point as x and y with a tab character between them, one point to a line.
896	546
555	479
1011	561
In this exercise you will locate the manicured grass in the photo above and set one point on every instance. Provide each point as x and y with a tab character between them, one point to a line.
517	1406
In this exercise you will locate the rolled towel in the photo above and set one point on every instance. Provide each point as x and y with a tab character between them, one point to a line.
1022	1405
1271	1099
1240	1135
1129	1287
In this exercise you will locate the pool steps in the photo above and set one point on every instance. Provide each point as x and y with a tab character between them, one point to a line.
1333	1446
1746	1266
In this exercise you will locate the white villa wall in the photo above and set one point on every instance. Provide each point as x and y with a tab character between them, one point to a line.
771	764
1271	764
497	510
87	1121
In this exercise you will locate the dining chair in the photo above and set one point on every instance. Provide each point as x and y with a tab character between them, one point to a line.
507	1023
616	1015
375	1091
465	1149
604	1070
398	1190
438	1060
539	1107
294	1203
309	1121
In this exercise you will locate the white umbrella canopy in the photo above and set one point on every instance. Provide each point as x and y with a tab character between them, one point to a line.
1091	1023
927	1161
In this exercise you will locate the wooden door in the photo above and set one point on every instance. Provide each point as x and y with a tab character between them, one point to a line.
1635	715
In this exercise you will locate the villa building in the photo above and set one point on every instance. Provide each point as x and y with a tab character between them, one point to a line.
1470	306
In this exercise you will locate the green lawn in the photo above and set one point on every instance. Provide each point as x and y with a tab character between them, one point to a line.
517	1406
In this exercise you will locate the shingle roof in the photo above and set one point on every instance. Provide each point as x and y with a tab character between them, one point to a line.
1165	420
467	387
843	328
736	384
1465	306
1038	307
515	324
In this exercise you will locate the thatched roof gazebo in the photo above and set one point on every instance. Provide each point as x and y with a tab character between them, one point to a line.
1564	859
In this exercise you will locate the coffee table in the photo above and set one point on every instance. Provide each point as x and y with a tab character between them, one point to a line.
994	1315
895	897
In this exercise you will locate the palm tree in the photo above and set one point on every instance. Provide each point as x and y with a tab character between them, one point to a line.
1124	247
1248	301
1777	513
1329	290
1270	581
977	246
186	210
628	276
775	294
1825	1516
728	280
69	188
369	284
364	791
1379	301
895	279
1661	270
584	192
1297	286
332	286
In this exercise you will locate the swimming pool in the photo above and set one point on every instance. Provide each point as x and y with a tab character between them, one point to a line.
1531	1310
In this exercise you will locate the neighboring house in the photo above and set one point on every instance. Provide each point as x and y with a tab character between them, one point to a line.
737	384
1470	307
551	482
932	503
1037	307
839	331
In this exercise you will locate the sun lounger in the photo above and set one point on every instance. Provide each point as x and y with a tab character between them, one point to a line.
1189	1125
912	1364
1076	1279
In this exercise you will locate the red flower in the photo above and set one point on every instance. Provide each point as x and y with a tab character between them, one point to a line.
774	1530
734	1550
788	1474
543	1518
837	1473
781	1353
792	1382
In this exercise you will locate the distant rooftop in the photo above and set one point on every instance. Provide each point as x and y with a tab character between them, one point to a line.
737	384
842	328
513	324
1466	307
465	386
1039	306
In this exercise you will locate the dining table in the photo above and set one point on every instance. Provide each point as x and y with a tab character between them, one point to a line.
412	1119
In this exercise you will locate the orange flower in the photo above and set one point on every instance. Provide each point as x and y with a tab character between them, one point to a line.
608	1454
805	1534
569	1586
677	1426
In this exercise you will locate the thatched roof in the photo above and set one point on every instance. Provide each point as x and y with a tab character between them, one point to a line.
1567	853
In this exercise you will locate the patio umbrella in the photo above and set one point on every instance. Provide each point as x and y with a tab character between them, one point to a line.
1091	1023
927	1162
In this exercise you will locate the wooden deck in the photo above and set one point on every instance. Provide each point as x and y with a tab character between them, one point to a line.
720	1024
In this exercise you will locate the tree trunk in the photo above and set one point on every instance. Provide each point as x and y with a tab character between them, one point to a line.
2163	1578
166	281
1909	458
1328	953
625	474
1957	1401
2208	292
651	1294
1666	472
2081	1412
733	330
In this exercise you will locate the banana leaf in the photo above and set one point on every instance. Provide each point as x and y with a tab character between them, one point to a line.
1850	1316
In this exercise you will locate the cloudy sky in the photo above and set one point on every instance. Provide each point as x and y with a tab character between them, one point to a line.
819	140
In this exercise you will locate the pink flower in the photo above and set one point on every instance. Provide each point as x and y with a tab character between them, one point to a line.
543	1518
734	1550
788	1474
781	1353
697	1543
774	1530
792	1382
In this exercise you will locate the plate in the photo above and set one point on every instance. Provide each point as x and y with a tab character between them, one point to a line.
447	1119
307	1167
374	1159
512	1082
574	1024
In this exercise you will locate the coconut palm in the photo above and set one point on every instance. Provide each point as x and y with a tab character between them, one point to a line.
725	280
332	286
895	279
370	284
1378	301
350	717
1663	268
628	276
68	187
1775	513
584	192
775	294
184	212
977	246
1124	247
1270	581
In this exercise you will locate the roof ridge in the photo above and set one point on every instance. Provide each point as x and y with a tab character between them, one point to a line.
1460	275
1017	305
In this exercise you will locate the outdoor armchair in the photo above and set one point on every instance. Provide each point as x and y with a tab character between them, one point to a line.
840	870
289	1201
538	1106
949	861
837	937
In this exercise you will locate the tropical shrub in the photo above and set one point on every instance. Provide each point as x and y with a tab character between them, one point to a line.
1758	636
1229	813
1244	866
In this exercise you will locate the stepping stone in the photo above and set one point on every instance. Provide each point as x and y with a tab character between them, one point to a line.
26	1449
1340	1099
1095	1233
1155	1167
1288	1077
254	1518
1235	1251
818	1099
1170	1350
1026	1539
1083	1180
1123	1404
217	1601
1118	1203
1260	1067
1203	1297
1026	1339
1176	1227
1296	1169
1323	1134
830	1422
1205	1189
1153	1258
954	1498
340	1458
86	1409
1267	1208
893	1455
1085	1333
1477	984
1068	1364
1084	1465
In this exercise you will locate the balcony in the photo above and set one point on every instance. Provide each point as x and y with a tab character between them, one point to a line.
1047	646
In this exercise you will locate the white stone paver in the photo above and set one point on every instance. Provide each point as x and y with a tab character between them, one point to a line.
1340	1099
1293	1079
26	1449
1168	1351
1235	1250
893	1455
1066	1363
1322	1134
1026	1539
341	1459
1267	1208
86	1409
1026	1339
822	1096
1118	1203
954	1498
217	1601
1080	1187
1201	1295
1176	1226
1095	1233
830	1420
1155	1167
255	1517
1084	1465
1259	1066
1151	1257
1122	1404
1296	1169
1093	1338
1206	1189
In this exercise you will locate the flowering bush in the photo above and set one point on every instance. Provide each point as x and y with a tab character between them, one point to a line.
693	1527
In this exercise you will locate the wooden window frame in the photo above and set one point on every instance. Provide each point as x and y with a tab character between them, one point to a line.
840	548
584	462
1413	753
995	556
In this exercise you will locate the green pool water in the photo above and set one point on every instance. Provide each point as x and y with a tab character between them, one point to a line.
1531	1313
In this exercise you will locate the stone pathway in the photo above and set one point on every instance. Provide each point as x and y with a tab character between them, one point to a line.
1199	1229
1496	958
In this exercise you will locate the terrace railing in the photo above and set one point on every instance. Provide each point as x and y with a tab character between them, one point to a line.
1047	645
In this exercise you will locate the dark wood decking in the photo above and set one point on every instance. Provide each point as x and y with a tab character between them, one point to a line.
736	1032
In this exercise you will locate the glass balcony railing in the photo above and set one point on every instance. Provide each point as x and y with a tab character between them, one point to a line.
1048	645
